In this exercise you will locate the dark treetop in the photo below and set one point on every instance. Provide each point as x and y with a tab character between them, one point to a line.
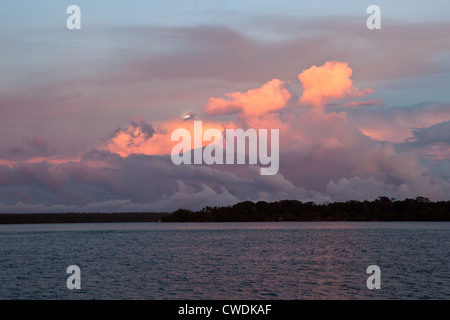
381	209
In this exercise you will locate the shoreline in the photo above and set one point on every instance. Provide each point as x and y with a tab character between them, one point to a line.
384	209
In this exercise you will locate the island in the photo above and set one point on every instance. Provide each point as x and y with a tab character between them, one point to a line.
380	209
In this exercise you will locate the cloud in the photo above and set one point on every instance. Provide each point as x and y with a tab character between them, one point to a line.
152	139
318	148
38	143
437	133
325	155
139	128
432	142
360	189
368	103
397	124
30	148
329	81
134	135
185	198
103	181
272	96
186	65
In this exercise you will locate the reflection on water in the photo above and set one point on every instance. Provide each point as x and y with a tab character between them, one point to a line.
323	260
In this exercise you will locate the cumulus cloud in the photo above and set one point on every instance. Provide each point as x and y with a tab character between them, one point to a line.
139	130
272	96
329	81
185	65
107	182
324	155
135	138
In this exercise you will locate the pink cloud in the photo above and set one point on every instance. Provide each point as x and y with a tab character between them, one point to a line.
324	155
368	103
327	82
397	124
272	96
133	140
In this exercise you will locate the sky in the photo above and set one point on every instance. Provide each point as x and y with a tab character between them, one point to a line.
87	115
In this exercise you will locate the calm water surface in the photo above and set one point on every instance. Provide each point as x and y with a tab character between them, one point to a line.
299	260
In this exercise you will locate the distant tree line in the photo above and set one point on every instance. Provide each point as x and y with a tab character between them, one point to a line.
30	218
381	209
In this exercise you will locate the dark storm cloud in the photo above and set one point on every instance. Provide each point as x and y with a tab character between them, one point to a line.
438	133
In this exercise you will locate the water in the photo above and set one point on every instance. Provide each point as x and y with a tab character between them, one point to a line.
299	260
